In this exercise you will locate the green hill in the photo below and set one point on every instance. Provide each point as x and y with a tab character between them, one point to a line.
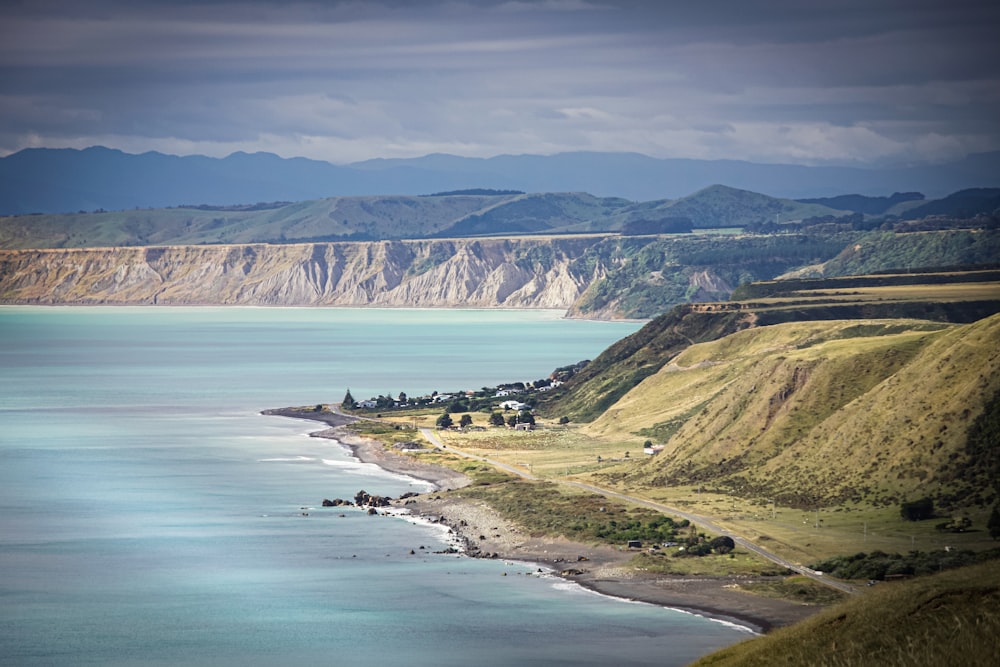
951	618
722	206
943	296
333	219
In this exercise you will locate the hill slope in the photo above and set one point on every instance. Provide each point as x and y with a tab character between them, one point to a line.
943	296
723	206
944	619
819	413
332	219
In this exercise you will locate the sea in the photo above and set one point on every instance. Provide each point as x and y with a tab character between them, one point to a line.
150	515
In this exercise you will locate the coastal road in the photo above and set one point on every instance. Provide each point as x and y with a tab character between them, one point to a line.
704	522
433	438
713	527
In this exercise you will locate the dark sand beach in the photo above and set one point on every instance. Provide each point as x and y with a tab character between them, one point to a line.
601	568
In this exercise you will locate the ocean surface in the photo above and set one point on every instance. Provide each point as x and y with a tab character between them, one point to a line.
149	515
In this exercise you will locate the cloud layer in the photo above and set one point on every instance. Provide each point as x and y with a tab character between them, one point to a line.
863	82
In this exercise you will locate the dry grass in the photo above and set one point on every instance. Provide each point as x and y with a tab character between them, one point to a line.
948	619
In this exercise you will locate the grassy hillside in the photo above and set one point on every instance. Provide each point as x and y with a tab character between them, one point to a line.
389	217
821	413
722	206
629	361
884	251
337	218
945	297
655	273
950	618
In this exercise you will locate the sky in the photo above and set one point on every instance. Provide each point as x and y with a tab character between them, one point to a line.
858	82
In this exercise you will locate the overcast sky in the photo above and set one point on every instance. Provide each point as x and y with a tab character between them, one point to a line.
856	82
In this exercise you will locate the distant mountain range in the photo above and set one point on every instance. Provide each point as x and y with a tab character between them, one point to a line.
41	180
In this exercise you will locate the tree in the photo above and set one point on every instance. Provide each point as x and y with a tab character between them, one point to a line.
496	419
994	523
525	417
564	420
466	420
918	510
348	403
444	421
723	544
402	398
512	421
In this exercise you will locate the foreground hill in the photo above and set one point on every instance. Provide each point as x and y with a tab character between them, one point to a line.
949	618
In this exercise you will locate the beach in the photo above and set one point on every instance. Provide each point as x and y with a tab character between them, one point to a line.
599	568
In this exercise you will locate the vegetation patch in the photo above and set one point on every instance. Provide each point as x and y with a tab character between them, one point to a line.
879	566
739	562
544	509
798	588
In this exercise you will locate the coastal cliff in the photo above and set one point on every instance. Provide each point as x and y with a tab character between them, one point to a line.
523	273
588	276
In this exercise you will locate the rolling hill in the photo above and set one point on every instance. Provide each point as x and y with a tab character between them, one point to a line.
374	218
66	180
813	393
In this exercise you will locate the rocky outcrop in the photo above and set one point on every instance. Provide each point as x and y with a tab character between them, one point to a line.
522	273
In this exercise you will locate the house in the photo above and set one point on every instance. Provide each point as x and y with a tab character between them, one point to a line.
514	405
367	404
655	449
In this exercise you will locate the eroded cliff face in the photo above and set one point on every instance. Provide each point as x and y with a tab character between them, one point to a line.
522	273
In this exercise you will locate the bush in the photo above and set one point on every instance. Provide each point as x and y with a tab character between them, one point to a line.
918	510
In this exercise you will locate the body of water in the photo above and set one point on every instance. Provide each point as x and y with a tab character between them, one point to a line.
149	515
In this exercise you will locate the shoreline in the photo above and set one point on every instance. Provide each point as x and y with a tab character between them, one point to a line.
600	569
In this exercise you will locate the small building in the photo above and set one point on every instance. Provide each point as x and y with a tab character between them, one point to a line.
524	426
655	449
634	544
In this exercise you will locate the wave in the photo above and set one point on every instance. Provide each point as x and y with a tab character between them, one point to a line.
286	459
372	469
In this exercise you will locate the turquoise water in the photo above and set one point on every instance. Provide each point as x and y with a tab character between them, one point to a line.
149	515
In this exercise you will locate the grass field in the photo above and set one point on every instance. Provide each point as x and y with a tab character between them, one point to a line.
805	537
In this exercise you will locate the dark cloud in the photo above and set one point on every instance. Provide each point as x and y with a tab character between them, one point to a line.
774	81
